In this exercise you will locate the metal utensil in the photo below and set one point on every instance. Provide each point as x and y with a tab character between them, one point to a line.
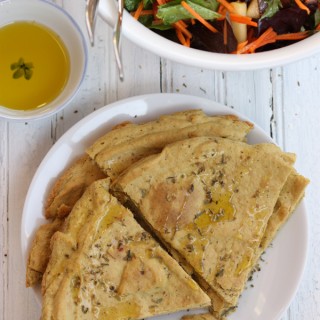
91	15
117	38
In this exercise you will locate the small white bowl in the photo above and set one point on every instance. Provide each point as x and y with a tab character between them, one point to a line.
61	23
151	41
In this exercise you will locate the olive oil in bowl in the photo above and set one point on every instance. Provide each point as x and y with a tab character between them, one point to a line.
34	65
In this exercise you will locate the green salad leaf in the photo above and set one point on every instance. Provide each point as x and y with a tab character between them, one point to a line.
273	6
146	20
161	26
132	5
209	4
147	4
317	17
173	11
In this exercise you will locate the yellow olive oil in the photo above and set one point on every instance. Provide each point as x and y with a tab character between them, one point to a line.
34	65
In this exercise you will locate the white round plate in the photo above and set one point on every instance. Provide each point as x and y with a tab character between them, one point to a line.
269	293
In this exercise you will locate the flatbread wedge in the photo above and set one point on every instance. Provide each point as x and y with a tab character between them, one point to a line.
119	148
289	198
70	186
74	180
39	253
104	265
209	201
177	120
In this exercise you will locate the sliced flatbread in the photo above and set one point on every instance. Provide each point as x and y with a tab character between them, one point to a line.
70	186
73	182
39	253
290	196
118	149
105	265
177	120
209	200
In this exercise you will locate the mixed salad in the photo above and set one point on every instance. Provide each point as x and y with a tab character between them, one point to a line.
229	27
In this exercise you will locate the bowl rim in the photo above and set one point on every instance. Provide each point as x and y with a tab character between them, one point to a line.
40	113
151	41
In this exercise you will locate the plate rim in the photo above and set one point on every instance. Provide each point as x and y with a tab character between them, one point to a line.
175	97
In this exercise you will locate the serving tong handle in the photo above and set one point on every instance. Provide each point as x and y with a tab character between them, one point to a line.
91	16
117	38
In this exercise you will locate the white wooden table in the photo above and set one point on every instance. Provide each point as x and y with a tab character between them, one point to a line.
284	101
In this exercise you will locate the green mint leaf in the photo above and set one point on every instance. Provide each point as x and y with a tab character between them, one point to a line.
14	66
28	74
18	73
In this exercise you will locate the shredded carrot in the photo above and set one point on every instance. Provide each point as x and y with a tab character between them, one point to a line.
227	5
222	11
138	11
269	36
146	12
242	19
242	45
179	25
188	42
198	17
302	6
293	36
143	13
161	2
182	23
193	22
318	27
182	38
225	32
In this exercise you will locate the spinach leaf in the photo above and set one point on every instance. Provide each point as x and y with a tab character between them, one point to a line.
146	20
147	4
171	13
131	5
273	7
209	4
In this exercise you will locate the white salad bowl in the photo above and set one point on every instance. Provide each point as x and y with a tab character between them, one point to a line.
149	40
64	26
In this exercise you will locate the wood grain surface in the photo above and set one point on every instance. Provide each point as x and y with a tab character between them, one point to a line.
284	101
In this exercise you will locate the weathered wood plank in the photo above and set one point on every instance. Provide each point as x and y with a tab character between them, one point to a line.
297	123
4	216
283	101
27	145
